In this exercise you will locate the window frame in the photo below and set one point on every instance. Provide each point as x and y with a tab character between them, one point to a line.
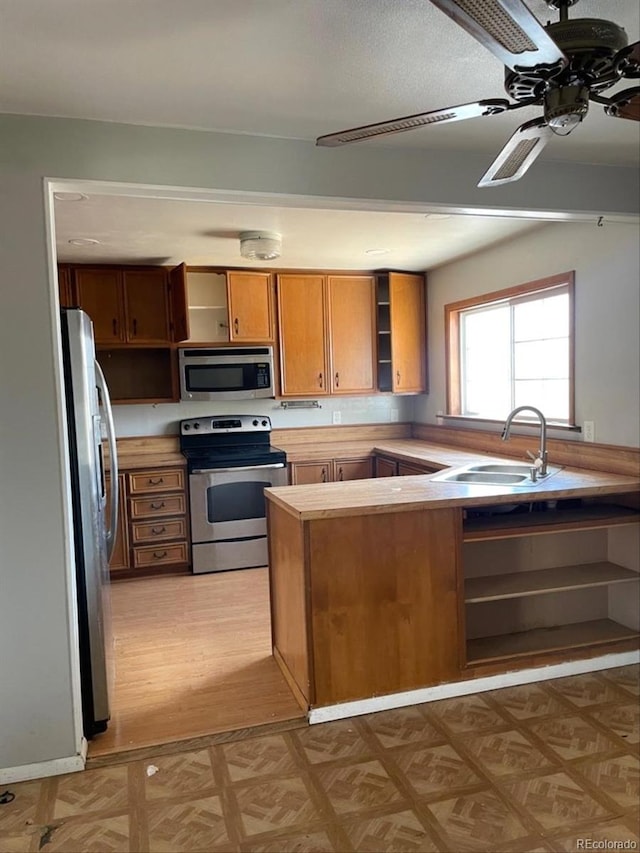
453	310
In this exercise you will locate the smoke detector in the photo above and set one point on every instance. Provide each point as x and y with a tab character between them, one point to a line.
260	245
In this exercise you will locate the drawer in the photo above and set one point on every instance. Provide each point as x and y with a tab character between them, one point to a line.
162	554
156	507
156	480
158	531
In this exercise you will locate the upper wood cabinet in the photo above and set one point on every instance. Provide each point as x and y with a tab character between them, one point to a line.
302	322
130	305
402	323
233	305
250	299
66	290
327	334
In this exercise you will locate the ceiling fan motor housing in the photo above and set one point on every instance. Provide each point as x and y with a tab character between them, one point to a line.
590	44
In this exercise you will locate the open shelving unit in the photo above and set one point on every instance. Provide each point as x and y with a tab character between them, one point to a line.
525	596
383	309
207	306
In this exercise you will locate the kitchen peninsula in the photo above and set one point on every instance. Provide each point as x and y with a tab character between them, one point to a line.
389	585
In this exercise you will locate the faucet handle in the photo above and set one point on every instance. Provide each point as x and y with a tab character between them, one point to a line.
531	455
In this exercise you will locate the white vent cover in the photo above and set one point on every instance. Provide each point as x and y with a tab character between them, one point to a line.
260	245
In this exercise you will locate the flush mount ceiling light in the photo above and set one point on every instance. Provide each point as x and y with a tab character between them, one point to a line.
70	196
260	245
377	251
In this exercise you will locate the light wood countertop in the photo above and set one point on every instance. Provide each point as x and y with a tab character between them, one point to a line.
404	494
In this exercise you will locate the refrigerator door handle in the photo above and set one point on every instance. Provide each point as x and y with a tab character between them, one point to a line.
113	455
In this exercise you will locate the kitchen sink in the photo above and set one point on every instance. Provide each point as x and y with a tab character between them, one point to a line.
495	474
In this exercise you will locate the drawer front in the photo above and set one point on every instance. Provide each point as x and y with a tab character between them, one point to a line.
162	554
157	506
158	531
156	480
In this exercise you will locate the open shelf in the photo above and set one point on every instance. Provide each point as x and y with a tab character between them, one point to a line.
529	524
139	375
543	581
594	633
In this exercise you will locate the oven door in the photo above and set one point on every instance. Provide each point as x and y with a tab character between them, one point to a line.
229	503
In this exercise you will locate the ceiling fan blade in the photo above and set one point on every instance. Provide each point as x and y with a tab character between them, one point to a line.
397	125
507	28
518	154
625	104
628	60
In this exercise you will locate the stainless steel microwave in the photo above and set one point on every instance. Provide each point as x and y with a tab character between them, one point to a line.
226	373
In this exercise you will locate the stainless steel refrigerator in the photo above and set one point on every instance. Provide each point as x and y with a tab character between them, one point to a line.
88	409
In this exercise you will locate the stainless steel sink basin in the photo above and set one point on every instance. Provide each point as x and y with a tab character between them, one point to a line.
486	477
495	474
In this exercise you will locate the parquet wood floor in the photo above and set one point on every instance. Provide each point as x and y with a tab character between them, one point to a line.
543	767
192	660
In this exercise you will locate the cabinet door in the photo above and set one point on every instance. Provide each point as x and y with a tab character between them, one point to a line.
250	313
120	557
385	467
99	293
147	309
406	469
178	303
408	332
66	293
353	469
302	322
304	473
351	304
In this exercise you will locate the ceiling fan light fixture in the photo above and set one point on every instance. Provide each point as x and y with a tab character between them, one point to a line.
565	107
260	245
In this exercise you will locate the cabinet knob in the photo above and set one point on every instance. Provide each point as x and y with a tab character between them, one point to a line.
152	482
159	555
337	380
158	531
324	474
135	326
114	326
397	377
340	477
159	505
320	379
236	326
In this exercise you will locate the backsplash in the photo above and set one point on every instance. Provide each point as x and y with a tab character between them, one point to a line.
162	418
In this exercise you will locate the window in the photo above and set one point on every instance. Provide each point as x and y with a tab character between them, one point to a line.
512	348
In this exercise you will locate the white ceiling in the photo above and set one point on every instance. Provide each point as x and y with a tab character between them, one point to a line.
285	68
204	233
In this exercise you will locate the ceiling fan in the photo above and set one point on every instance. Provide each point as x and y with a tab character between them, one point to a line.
560	67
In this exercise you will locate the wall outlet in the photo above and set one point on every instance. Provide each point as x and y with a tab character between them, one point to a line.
589	430
337	417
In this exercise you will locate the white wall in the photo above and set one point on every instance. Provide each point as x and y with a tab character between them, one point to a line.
607	313
37	666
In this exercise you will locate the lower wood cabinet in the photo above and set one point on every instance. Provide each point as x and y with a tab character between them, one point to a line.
331	470
155	527
385	466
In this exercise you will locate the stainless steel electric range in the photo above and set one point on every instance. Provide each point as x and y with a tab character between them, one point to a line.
231	462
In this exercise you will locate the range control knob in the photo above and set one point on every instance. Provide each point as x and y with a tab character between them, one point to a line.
196	425
186	427
255	423
264	423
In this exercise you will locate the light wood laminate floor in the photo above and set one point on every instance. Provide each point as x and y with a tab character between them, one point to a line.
192	659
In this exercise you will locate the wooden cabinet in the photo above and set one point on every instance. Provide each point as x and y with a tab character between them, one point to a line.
66	290
120	557
331	470
385	466
572	587
402	323
250	298
364	606
232	305
126	305
155	527
327	334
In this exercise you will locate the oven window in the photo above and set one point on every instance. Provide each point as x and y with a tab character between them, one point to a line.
236	501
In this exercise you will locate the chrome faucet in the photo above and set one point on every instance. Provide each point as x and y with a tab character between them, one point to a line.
541	459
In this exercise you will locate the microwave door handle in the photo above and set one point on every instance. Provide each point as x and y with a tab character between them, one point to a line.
242	468
113	458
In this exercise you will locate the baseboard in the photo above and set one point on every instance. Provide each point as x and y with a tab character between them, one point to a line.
464	688
54	767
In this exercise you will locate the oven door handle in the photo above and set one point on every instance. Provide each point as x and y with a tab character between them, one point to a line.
242	468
